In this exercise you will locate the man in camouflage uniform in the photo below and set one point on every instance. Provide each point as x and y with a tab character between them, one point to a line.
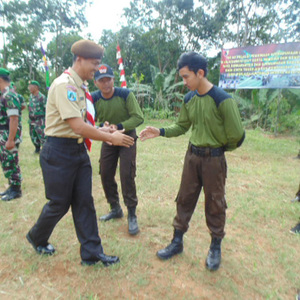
21	104
296	229
36	108
10	134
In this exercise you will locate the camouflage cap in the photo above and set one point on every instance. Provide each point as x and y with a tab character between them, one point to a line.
87	49
34	82
4	72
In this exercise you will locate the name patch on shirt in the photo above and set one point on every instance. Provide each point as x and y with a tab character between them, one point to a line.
72	96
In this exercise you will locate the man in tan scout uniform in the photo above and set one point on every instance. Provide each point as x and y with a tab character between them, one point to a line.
64	160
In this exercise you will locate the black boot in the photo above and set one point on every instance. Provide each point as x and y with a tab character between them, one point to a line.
5	192
37	149
213	259
174	248
13	193
115	213
133	227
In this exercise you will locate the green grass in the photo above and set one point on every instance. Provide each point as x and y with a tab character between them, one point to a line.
260	258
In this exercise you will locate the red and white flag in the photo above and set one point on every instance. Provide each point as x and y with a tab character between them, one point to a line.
121	68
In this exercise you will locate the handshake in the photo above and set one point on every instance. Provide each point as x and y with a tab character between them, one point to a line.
118	138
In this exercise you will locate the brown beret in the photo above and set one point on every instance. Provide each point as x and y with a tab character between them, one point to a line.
87	49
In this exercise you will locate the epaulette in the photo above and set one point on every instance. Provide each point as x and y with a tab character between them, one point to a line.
189	96
122	92
217	94
119	92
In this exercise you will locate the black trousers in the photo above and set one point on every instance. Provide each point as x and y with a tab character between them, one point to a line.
67	177
108	165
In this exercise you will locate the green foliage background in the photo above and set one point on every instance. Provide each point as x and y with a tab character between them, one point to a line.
155	34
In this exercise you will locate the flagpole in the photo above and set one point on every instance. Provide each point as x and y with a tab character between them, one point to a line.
121	67
46	67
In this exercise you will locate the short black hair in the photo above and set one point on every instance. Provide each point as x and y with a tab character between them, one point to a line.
194	61
5	78
74	57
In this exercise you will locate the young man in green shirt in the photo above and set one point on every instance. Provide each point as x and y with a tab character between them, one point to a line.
216	127
119	108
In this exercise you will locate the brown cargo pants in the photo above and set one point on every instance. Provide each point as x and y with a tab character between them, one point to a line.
207	171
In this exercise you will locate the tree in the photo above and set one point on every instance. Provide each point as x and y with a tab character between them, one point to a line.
64	60
140	49
291	12
178	20
21	34
25	26
60	18
255	22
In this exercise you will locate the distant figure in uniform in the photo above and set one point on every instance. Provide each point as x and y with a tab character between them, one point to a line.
296	229
10	137
36	109
120	109
20	97
64	160
216	126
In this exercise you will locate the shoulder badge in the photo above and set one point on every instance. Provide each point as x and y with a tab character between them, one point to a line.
72	96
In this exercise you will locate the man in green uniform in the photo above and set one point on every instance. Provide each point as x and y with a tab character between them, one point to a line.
36	109
119	108
64	160
216	127
20	97
10	137
296	229
22	104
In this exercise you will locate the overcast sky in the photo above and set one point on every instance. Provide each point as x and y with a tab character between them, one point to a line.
104	15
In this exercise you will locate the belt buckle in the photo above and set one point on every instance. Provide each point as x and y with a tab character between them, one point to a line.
208	151
80	140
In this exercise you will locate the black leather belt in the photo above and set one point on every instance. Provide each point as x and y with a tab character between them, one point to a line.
36	117
64	141
4	127
206	151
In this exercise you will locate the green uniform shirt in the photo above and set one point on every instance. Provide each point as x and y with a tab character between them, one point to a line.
122	109
20	106
214	119
37	106
9	106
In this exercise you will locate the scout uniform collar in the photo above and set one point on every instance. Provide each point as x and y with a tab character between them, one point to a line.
75	76
78	81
